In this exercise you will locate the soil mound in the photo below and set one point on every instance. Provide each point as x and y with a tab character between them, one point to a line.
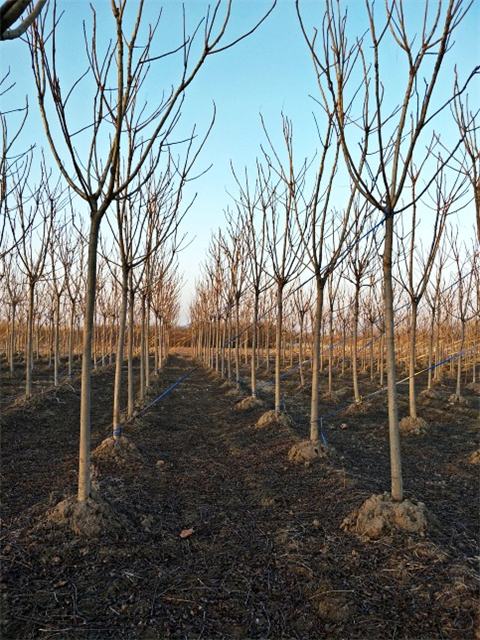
456	399
473	386
120	450
429	394
274	417
413	426
358	407
308	451
381	515
249	404
92	518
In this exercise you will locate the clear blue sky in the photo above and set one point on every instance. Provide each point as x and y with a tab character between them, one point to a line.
270	72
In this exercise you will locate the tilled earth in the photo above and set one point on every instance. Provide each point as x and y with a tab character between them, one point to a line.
223	537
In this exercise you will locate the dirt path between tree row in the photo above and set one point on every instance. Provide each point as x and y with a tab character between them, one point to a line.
223	537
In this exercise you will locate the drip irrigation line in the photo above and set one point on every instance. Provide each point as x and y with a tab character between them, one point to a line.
380	391
343	340
162	395
336	344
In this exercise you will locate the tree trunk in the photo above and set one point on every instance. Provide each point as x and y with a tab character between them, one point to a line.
147	343
141	394
71	339
237	343
131	339
300	350
56	348
253	369
413	360
12	339
85	393
278	347
458	390
394	433
317	334
29	365
117	387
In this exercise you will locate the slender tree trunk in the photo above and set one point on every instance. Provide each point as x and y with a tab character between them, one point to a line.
142	350
56	349
430	349
300	351
458	390
147	343
382	358
217	345
86	387
394	433
229	348
131	339
317	334
12	339
330	352
278	347
71	340
29	365
253	369
356	307
156	349
222	359
237	343
413	360
117	388
372	362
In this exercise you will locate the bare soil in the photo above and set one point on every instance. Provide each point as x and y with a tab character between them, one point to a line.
220	535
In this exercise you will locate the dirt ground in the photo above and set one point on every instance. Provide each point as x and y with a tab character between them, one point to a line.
222	535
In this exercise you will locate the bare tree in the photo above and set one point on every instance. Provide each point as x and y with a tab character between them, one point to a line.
31	225
416	263
365	119
303	300
359	262
282	246
15	295
249	206
72	257
233	249
120	114
465	266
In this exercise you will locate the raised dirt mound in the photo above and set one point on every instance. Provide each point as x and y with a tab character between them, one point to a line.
248	404
381	515
91	518
120	450
473	386
413	426
330	396
430	394
358	407
274	417
456	399
308	451
234	392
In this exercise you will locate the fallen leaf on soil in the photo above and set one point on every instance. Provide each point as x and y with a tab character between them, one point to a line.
186	533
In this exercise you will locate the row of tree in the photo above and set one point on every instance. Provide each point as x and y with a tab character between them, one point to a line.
380	136
125	158
440	333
